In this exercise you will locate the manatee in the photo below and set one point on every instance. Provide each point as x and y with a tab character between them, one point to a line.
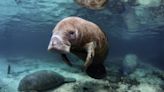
81	37
92	4
42	80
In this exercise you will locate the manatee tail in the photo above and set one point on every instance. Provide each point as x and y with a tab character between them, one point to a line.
97	71
68	80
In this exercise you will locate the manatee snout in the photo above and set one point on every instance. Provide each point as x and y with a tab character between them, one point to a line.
58	44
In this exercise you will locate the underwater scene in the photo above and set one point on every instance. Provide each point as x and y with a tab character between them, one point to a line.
82	46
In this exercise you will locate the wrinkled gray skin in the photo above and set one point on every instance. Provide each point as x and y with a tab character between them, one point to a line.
42	80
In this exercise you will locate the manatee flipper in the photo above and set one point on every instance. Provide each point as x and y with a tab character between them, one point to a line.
90	47
66	60
69	80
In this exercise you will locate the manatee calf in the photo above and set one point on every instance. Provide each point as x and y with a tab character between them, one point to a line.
81	37
42	80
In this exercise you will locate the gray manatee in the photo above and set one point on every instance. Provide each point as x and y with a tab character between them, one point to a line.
42	80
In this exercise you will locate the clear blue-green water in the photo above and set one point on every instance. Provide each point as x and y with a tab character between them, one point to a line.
26	27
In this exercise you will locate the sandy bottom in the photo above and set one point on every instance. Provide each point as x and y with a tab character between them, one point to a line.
144	79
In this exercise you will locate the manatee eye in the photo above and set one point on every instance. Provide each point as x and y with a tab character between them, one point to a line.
71	32
71	35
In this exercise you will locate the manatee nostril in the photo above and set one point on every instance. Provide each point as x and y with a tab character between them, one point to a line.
53	44
55	41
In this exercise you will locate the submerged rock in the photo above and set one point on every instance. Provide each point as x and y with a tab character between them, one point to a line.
42	80
129	64
159	74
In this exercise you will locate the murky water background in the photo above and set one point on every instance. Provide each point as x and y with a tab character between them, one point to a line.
26	25
135	29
